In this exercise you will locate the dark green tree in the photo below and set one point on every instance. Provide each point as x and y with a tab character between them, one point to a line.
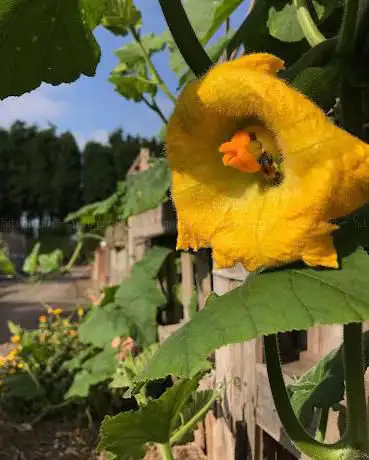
66	182
98	176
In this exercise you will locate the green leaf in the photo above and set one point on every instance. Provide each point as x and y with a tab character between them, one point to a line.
93	11
131	367
198	401
139	296
30	264
6	265
131	53
220	15
50	43
318	56
138	299
295	298
81	385
97	369
150	265
284	25
20	385
14	329
254	35
323	385
77	361
89	214
127	433
50	262
193	305
131	87
120	15
103	324
321	84
146	190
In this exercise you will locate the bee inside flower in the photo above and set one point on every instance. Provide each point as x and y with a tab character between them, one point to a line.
259	172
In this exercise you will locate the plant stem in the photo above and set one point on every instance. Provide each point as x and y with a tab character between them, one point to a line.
346	38
194	420
183	34
308	26
357	435
166	451
155	74
74	256
323	422
299	436
154	106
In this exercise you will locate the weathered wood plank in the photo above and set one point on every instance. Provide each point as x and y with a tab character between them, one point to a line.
158	221
188	283
203	276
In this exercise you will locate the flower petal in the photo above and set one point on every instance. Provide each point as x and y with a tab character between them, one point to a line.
326	170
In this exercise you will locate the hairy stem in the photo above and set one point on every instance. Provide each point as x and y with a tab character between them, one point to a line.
183	34
155	74
299	436
357	432
308	26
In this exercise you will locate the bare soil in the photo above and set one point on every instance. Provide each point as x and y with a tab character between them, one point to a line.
65	440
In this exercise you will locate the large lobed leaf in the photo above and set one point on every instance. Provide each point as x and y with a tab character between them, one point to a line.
323	385
145	190
47	42
281	300
120	15
127	433
95	370
132	312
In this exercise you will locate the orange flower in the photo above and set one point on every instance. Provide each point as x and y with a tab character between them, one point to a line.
42	319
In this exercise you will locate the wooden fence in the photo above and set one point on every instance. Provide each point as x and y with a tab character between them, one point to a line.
244	424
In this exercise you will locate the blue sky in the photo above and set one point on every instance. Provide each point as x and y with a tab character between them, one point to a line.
90	107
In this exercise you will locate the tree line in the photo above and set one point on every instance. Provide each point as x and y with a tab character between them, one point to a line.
45	174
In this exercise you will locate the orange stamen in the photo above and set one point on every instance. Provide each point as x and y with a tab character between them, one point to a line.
237	154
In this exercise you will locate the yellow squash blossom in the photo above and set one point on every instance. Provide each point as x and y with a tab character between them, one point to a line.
258	170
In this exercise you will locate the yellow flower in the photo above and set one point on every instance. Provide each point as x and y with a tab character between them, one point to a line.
80	312
2	361
72	333
57	311
20	365
15	339
310	170
50	310
66	323
12	354
42	319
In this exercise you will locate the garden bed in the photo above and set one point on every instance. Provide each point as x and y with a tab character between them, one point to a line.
65	440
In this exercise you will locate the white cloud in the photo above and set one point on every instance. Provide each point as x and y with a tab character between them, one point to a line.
99	135
35	107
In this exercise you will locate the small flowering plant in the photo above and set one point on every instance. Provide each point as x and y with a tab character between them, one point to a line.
32	375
